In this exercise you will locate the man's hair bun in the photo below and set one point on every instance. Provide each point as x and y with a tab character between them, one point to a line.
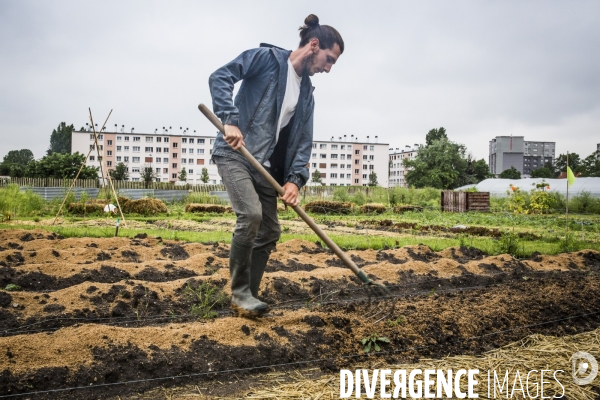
327	35
312	20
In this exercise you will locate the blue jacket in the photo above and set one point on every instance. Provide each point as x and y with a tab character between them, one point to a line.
257	106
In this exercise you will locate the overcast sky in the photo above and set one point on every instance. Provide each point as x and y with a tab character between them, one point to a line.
478	68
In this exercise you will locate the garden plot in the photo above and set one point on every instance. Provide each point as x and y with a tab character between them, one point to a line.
93	312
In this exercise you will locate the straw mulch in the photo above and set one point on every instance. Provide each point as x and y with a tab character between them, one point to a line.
533	352
200	208
375	208
328	207
401	209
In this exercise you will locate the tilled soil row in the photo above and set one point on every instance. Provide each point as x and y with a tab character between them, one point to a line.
435	325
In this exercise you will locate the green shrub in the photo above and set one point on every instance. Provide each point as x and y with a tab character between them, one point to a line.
202	198
341	194
584	202
26	203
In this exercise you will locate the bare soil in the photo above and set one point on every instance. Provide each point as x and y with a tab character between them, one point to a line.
96	312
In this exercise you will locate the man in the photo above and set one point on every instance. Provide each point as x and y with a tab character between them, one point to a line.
272	116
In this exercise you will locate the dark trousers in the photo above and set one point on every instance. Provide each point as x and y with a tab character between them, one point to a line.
254	201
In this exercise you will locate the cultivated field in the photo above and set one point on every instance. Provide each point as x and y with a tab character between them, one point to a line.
92	312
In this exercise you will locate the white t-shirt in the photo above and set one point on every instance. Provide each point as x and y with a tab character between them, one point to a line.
290	100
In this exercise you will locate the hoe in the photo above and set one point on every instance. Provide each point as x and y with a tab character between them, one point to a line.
372	288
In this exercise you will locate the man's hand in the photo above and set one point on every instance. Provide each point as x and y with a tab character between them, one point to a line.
233	136
290	197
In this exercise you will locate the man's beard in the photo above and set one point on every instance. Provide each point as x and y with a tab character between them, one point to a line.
307	64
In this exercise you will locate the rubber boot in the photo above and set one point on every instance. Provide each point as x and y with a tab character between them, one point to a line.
242	300
259	263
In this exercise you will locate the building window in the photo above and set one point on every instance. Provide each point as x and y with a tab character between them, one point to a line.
135	169
365	147
165	170
158	160
174	176
357	171
149	149
333	175
323	155
92	158
165	160
183	150
333	165
356	161
174	145
157	170
136	149
314	165
136	159
356	181
314	155
118	158
372	148
371	166
125	148
183	140
334	147
165	149
200	151
334	156
184	160
191	140
201	141
109	152
342	156
323	165
365	166
200	161
158	150
356	151
118	148
136	138
166	140
126	159
364	176
149	139
109	163
314	145
364	156
127	138
190	171
174	155
158	139
343	147
371	157
348	176
323	146
109	142
148	159
212	141
119	138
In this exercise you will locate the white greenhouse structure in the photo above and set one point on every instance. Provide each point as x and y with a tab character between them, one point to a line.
500	187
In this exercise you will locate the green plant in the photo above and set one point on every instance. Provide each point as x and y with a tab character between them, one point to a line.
205	297
11	287
508	243
569	244
372	340
395	322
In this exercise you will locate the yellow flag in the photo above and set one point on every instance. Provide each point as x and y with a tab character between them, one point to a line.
570	176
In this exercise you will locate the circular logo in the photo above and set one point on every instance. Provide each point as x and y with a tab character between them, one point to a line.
584	363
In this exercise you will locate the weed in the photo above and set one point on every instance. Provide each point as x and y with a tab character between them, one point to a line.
372	340
508	243
205	296
395	322
11	287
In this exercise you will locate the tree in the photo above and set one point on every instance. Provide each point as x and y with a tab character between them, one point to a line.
120	173
476	172
147	174
15	162
60	140
373	179
439	165
542	172
183	175
561	164
316	177
204	177
511	173
435	134
60	166
591	165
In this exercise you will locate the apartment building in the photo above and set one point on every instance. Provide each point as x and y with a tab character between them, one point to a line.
166	153
598	151
349	163
515	151
396	165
